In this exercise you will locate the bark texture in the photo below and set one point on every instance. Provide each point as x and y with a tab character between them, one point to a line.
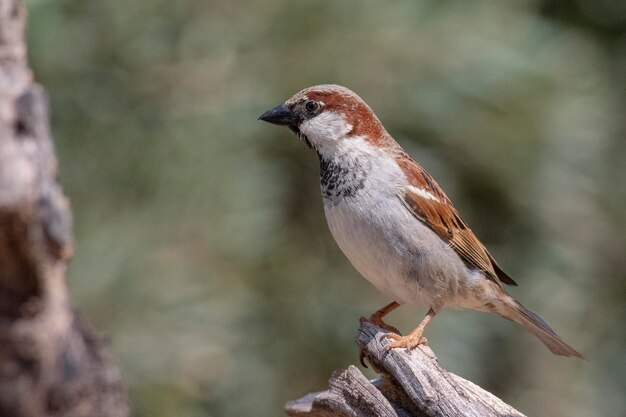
51	361
411	384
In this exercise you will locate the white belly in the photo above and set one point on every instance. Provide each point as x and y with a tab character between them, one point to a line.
393	250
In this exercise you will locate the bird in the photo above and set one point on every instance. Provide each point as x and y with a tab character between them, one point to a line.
393	221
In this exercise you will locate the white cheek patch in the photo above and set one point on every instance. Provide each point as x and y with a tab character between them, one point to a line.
326	127
423	193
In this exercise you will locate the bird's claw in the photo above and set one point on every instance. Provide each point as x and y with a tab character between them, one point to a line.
362	358
409	342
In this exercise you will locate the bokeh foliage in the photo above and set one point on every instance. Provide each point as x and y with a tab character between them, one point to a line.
202	251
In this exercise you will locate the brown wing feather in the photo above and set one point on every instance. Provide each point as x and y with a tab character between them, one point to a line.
436	211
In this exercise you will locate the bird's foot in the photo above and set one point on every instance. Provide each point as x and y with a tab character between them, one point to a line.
377	320
410	341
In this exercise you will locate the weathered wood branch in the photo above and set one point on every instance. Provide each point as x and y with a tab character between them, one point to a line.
411	384
51	361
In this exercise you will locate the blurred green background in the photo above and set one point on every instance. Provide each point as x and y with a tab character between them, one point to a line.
202	249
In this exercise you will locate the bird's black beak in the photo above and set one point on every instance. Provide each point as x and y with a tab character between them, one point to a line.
280	115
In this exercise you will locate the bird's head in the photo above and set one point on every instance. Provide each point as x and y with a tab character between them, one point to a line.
326	117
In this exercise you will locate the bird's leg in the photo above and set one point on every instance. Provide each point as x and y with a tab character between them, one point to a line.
377	317
414	338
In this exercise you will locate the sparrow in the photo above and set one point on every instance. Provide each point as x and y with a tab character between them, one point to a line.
394	223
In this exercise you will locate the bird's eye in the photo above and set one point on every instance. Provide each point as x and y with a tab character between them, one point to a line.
311	106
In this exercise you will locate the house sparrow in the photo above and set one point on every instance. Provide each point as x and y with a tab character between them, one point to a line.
393	221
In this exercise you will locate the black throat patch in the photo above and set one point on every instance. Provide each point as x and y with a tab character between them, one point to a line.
341	177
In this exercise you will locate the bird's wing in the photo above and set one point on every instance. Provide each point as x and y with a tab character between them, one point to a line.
429	204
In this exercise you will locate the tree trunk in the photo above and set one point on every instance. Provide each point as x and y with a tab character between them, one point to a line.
411	384
51	361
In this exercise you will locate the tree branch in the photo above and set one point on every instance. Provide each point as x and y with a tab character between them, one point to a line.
51	361
412	384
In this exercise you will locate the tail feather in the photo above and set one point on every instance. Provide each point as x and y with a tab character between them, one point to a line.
538	326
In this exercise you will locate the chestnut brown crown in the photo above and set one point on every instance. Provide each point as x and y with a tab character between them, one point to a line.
314	101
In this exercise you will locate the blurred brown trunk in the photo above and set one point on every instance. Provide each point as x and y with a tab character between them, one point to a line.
51	361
